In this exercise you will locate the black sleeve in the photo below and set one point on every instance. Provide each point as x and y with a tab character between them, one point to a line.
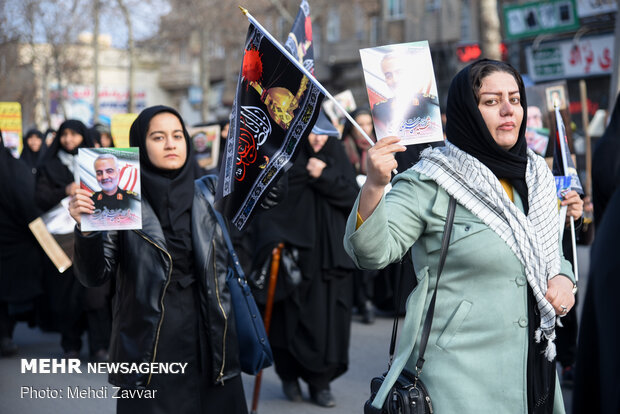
46	194
337	181
95	257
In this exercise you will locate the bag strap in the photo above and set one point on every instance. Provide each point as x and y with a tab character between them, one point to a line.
445	242
231	251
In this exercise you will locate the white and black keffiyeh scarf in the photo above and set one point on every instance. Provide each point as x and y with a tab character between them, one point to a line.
534	238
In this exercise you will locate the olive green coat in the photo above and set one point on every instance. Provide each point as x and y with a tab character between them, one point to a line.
476	358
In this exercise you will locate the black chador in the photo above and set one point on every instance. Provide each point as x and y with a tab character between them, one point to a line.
310	329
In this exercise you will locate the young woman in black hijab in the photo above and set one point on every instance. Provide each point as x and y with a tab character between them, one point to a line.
33	149
171	302
310	329
105	136
20	255
77	309
505	280
55	179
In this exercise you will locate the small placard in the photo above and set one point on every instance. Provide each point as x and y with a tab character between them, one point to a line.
112	175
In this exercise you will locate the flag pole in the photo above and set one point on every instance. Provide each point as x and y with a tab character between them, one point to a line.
561	131
271	292
574	242
306	73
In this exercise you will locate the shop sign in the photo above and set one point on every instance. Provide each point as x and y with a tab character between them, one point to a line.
535	18
571	59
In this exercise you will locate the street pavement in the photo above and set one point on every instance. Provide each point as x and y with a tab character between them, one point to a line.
368	357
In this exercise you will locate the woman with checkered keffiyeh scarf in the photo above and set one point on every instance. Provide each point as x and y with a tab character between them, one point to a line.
505	280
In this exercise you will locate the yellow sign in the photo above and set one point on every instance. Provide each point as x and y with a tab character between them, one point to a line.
120	128
11	126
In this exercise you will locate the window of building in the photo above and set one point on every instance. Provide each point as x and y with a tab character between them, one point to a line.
373	33
433	5
360	22
317	37
183	54
466	34
332	29
394	9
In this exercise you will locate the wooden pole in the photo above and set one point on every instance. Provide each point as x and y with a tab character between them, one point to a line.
586	123
271	292
96	63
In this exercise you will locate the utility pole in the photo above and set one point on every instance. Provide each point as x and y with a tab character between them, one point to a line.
132	54
96	62
205	71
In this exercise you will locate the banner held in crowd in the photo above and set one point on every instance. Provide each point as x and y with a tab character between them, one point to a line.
309	75
275	108
299	41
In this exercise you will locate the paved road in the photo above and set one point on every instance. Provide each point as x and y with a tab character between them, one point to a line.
368	354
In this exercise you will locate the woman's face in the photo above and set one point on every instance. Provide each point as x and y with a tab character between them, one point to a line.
70	139
317	141
34	143
500	106
106	140
165	142
365	121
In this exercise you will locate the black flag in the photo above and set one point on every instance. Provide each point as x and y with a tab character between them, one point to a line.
275	107
299	41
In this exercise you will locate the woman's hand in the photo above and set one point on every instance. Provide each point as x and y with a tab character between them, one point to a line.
380	161
560	294
315	167
575	205
70	189
81	203
379	165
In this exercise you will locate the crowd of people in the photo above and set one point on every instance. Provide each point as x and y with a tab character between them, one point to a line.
159	294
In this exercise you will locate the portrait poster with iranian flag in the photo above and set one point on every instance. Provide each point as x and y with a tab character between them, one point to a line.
112	176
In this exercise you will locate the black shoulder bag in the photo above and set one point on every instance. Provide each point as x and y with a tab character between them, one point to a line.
254	348
409	395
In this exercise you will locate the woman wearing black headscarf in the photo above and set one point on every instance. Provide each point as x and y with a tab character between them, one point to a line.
33	149
55	179
505	281
310	329
105	136
355	145
171	302
20	256
76	309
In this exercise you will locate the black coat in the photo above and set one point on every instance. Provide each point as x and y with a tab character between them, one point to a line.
52	175
597	375
51	182
313	323
20	254
313	215
142	266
